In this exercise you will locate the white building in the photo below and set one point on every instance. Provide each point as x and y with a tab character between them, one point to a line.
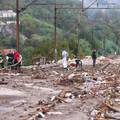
7	14
7	21
7	17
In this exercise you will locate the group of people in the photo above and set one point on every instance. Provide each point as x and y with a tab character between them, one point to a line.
65	59
10	59
77	59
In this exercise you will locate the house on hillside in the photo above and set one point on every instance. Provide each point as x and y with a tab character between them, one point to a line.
7	14
7	22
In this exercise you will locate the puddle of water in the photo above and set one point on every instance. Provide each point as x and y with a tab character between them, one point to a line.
10	92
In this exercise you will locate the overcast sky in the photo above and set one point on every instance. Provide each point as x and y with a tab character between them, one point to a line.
102	2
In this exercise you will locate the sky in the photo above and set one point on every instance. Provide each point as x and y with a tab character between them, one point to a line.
102	2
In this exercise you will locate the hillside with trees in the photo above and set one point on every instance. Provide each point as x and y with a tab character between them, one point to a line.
78	32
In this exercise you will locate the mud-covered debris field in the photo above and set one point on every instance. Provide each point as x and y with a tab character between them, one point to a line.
46	92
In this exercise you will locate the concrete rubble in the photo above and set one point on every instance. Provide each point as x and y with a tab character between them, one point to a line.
46	92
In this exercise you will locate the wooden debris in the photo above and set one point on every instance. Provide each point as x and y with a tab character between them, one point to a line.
3	82
115	116
115	108
104	67
61	99
64	91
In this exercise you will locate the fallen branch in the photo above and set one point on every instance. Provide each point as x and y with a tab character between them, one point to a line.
61	99
3	82
104	67
115	108
115	116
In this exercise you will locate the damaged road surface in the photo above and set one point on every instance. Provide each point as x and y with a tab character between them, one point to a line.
46	92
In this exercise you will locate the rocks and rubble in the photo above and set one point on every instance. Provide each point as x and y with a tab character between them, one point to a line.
49	93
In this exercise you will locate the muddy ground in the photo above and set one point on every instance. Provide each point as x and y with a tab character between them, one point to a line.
46	92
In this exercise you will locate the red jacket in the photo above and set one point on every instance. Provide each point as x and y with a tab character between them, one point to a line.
16	56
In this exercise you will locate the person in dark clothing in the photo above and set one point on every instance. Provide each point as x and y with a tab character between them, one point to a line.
94	57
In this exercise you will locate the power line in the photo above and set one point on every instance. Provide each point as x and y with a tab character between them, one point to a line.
90	5
29	4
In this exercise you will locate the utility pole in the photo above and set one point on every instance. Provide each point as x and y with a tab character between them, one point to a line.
93	37
17	26
104	46
18	10
81	11
82	5
55	34
78	49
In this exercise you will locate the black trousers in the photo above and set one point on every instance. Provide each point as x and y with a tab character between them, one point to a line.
94	62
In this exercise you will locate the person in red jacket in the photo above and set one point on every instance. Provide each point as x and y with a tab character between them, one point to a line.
16	57
17	60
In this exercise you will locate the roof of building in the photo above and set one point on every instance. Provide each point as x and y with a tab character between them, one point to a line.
7	13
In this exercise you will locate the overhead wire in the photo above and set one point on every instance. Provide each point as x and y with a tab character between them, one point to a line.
91	4
29	4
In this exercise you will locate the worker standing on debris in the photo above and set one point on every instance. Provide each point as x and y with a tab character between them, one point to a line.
17	61
16	57
65	59
78	62
94	57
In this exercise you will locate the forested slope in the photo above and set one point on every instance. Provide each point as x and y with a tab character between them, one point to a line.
76	31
